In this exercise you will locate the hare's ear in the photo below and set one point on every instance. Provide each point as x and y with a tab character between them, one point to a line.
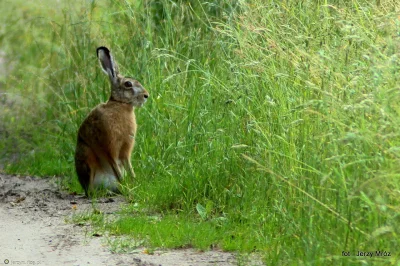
107	63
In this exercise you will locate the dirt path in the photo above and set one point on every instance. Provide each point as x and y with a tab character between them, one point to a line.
33	231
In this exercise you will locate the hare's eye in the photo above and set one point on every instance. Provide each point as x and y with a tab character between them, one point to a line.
128	84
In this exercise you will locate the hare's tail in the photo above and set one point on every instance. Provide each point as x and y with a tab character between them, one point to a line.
82	167
83	171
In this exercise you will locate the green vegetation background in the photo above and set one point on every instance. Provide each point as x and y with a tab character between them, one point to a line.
272	126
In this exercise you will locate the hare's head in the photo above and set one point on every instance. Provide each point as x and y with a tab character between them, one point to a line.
123	89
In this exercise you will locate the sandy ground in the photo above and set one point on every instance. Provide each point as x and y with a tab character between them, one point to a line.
33	230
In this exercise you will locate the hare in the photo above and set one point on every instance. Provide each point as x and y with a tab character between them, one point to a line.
107	135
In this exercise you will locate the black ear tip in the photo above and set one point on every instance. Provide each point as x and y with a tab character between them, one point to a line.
104	49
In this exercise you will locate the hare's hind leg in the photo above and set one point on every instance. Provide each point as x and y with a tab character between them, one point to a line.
85	164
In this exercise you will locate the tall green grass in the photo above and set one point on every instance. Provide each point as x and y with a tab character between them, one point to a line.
271	126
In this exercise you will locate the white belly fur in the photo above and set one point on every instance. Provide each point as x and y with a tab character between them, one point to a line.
105	177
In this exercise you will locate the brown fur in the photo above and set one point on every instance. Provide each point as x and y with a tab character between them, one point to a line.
107	135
